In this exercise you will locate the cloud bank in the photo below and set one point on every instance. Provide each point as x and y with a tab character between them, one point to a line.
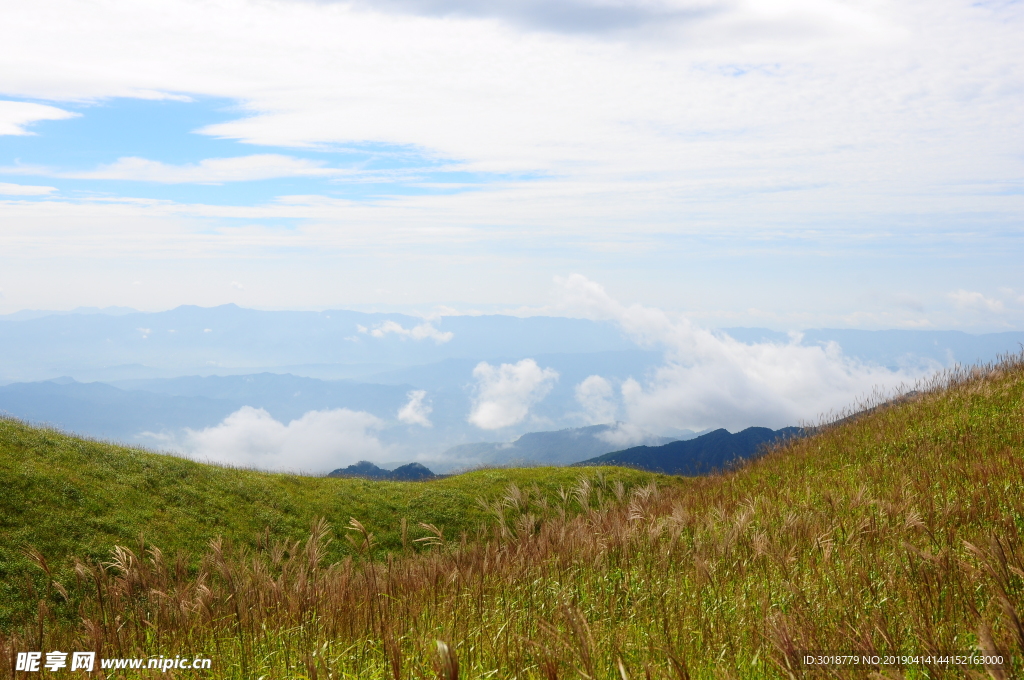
318	442
505	394
712	380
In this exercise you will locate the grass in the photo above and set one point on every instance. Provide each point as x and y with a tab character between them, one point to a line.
898	531
68	497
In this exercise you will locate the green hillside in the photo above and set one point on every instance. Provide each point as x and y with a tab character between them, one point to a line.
71	497
898	533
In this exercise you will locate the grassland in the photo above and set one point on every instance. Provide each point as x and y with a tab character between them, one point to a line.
67	497
899	531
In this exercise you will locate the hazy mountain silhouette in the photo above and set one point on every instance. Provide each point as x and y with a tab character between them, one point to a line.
560	447
99	410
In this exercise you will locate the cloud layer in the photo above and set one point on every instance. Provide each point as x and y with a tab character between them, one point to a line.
747	145
711	380
318	442
505	394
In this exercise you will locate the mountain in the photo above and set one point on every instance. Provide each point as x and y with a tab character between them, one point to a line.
283	395
135	410
125	411
229	340
106	412
412	472
561	447
120	344
702	455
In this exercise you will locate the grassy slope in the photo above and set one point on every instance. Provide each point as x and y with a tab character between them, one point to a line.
71	497
898	531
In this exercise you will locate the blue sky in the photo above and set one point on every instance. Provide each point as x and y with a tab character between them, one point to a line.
99	134
788	164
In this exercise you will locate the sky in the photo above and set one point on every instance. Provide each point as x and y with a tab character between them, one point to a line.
787	164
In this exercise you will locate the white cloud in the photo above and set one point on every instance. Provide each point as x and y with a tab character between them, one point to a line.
416	412
333	73
711	380
420	332
596	396
24	190
208	171
760	122
971	300
505	394
15	116
626	435
319	441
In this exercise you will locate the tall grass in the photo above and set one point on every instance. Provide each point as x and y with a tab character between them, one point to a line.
896	531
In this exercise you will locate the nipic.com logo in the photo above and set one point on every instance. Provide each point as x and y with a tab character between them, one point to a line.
33	662
80	661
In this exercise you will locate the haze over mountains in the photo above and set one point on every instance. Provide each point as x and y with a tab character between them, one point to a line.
316	391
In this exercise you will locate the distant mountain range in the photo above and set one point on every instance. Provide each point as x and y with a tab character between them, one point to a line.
150	378
189	340
561	447
123	412
121	344
413	472
702	455
156	412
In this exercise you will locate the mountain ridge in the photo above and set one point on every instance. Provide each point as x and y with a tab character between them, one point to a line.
708	453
